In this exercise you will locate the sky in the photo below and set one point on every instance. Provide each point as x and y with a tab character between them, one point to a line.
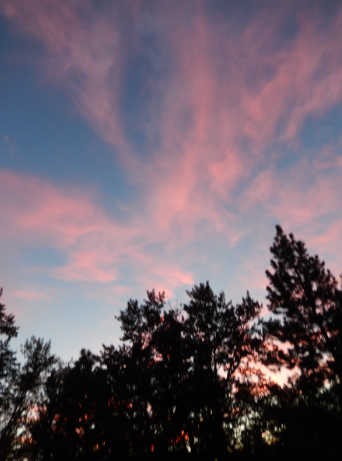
156	144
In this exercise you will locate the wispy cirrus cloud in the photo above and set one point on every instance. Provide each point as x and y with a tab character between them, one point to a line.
11	145
31	295
84	54
93	244
200	111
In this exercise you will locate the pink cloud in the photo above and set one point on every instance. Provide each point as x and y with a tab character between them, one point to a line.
304	202
167	277
229	122
329	156
207	104
289	83
84	54
87	266
228	94
11	145
30	295
296	196
96	246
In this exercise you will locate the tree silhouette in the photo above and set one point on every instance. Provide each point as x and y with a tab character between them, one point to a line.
139	323
191	369
305	329
169	400
225	345
74	422
119	412
307	304
20	387
8	372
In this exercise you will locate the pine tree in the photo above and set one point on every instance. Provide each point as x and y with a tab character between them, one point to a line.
307	306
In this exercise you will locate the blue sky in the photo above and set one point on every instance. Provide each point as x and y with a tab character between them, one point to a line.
156	145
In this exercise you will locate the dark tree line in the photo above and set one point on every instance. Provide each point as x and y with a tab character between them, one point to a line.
190	381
